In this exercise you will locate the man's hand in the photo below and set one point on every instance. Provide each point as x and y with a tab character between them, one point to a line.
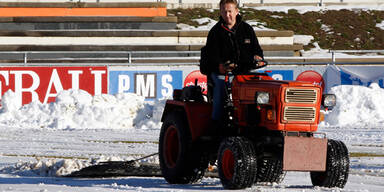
259	61
226	67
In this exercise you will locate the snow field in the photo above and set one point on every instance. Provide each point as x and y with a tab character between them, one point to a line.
105	127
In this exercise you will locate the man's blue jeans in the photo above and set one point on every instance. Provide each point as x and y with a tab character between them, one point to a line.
219	95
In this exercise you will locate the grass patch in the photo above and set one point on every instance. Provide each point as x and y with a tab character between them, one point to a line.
332	29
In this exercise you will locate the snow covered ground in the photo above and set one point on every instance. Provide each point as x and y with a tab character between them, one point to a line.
41	142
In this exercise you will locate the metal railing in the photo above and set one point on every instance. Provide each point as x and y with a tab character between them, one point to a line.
333	52
29	55
131	57
122	56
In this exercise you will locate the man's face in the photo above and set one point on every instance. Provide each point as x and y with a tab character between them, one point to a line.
228	12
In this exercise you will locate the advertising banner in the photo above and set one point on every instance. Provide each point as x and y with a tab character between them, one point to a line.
329	76
354	75
156	82
160	82
43	83
150	83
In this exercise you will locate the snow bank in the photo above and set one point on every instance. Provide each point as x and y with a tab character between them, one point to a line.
77	109
47	168
357	107
60	167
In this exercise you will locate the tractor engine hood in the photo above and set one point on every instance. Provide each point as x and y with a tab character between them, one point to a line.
277	105
245	90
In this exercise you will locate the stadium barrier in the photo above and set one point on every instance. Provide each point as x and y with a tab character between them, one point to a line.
135	58
60	9
59	24
43	81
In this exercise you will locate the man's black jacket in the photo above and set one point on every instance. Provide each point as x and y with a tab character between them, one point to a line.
238	45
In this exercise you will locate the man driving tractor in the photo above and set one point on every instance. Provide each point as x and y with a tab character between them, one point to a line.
231	46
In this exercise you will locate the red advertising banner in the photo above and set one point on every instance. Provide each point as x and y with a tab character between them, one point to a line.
43	83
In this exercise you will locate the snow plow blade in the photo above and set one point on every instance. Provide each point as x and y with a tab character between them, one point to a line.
125	168
119	168
304	153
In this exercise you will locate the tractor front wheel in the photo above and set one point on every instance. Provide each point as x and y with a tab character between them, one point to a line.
270	170
337	167
237	163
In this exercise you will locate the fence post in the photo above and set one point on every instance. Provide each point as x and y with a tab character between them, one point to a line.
129	57
333	56
25	57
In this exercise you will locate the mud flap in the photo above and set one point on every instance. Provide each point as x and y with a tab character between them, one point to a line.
304	153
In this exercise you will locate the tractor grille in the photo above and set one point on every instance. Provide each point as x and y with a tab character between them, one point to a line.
299	113
293	95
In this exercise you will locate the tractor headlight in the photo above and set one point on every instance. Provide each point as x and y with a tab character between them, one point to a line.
329	100
262	97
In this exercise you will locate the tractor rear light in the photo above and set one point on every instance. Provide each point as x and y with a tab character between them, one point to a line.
270	114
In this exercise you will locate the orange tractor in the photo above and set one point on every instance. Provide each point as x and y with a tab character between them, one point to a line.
269	128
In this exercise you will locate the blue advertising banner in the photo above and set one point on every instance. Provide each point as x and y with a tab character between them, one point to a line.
353	75
347	78
279	74
150	84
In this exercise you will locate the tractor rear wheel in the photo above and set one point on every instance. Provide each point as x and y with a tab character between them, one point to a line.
180	163
270	170
337	167
237	163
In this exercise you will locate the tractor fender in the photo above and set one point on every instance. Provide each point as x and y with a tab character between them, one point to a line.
172	105
198	115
